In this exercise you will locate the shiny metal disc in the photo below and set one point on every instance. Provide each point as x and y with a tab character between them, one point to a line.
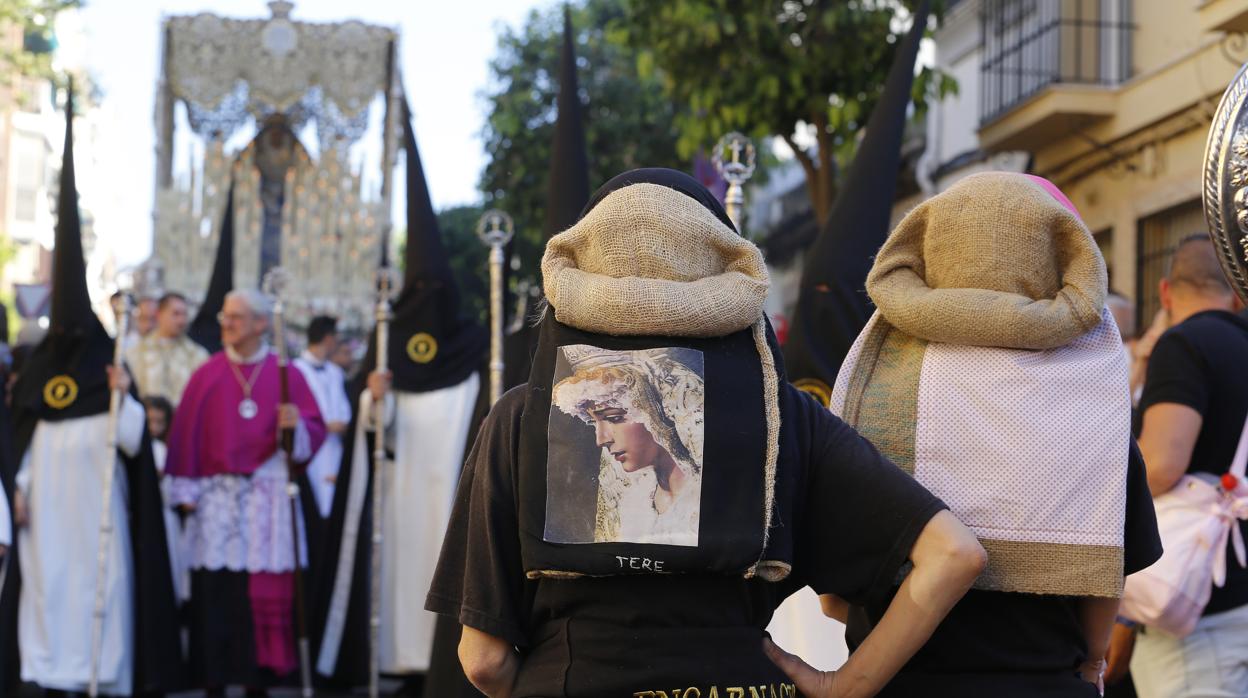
1225	186
247	409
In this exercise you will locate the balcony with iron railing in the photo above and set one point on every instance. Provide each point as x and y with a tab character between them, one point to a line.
1224	16
1049	67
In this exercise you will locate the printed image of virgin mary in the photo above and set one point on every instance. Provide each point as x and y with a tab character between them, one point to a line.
645	409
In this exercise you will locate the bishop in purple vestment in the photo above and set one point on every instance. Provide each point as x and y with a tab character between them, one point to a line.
229	477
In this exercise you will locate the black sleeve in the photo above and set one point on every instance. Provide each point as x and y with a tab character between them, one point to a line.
862	515
1141	542
1175	374
479	579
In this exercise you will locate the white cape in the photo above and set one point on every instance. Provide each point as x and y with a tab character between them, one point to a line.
62	475
430	432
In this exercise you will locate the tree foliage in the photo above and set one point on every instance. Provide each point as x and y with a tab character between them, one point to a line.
468	258
35	19
770	67
629	121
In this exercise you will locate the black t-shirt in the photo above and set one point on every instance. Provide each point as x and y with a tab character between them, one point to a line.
1018	645
856	520
1199	363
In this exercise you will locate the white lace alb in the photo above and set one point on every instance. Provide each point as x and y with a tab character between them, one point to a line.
240	523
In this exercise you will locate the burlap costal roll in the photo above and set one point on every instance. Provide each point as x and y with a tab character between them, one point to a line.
649	260
994	261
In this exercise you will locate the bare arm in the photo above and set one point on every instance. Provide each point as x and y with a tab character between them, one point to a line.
1166	442
1118	659
947	558
1096	617
489	662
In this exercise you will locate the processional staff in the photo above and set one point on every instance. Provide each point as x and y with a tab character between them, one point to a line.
496	229
388	282
736	171
122	304
276	281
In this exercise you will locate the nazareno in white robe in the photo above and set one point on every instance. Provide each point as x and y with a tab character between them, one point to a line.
429	432
62	476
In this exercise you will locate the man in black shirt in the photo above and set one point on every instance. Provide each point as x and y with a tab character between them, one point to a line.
1194	404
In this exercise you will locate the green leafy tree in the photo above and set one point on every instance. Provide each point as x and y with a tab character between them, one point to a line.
629	121
468	258
35	20
770	67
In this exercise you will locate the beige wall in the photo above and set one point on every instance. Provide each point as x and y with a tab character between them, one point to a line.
1167	175
1146	158
1163	29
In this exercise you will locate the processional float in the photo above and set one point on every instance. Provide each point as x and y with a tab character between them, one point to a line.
250	89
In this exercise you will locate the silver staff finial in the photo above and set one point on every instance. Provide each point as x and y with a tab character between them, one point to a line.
496	229
275	284
734	159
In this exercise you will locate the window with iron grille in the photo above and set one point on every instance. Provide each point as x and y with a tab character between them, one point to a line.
1028	45
1159	234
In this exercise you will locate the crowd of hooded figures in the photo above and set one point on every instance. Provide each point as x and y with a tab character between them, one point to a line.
956	449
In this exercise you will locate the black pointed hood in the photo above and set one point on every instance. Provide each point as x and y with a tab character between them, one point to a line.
568	188
65	375
432	344
71	304
567	192
424	259
204	328
833	306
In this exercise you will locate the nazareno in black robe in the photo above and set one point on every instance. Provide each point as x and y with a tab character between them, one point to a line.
78	347
428	304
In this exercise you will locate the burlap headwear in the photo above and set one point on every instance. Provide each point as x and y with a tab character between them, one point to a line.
621	270
994	261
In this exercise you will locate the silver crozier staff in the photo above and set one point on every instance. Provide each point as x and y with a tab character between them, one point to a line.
275	284
387	289
736	171
121	308
496	229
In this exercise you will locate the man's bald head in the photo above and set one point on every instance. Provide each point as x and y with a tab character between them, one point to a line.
1194	266
1194	281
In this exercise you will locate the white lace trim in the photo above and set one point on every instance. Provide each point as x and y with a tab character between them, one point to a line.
240	523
